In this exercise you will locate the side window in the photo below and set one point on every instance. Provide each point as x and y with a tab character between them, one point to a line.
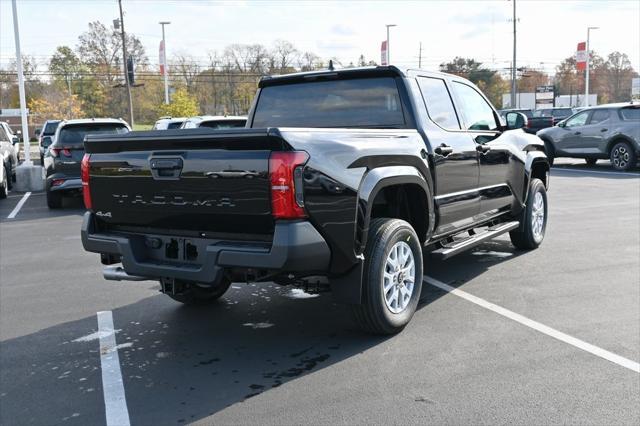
599	116
438	101
578	119
477	113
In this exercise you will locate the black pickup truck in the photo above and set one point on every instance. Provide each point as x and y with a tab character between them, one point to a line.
341	180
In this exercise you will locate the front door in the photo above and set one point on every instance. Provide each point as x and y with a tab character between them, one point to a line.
494	156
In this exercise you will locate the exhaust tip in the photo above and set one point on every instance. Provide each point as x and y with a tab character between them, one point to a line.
117	273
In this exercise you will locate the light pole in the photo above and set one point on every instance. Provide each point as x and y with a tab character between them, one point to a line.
388	46
23	102
513	63
124	57
586	77
165	69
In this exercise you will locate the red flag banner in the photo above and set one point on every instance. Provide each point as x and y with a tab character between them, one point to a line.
581	56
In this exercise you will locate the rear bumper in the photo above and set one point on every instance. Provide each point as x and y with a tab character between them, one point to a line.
67	185
297	247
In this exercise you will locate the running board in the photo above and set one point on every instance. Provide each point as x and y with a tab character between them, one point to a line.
459	246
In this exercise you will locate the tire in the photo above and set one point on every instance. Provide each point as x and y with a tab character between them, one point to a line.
54	199
388	312
533	221
550	151
591	161
10	175
4	189
194	295
622	156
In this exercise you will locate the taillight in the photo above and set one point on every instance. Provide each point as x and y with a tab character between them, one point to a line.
84	174
285	173
56	151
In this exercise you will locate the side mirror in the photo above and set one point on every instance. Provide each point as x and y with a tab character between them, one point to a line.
38	132
516	120
562	123
46	141
14	140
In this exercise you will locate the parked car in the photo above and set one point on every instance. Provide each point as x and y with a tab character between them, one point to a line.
214	122
166	123
13	137
558	114
63	158
8	154
606	131
343	178
533	123
48	129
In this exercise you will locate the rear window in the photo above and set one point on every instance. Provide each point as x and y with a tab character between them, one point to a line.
370	102
74	134
50	128
223	124
630	113
175	125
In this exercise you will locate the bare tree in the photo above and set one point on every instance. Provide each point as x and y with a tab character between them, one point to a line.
284	56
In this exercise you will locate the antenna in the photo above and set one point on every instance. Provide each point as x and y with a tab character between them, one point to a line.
331	65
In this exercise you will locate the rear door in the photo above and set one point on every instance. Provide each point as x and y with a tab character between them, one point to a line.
455	156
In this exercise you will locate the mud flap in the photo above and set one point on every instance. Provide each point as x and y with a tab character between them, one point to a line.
347	288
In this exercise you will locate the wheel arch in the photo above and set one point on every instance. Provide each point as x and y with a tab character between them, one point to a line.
619	138
400	182
536	167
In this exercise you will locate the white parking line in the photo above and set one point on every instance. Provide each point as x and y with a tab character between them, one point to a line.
15	211
598	172
594	350
115	402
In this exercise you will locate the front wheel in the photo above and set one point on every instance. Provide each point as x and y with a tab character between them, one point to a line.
196	295
622	156
533	220
392	278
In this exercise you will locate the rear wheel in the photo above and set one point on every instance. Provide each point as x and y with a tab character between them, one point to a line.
591	161
622	156
533	221
4	188
196	295
392	278
54	199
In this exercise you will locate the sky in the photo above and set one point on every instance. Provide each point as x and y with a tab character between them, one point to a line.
548	31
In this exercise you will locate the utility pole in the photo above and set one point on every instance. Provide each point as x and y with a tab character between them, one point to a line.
513	64
165	68
586	77
124	57
388	45
420	57
23	102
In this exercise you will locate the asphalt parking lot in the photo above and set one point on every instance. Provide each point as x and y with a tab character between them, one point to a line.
271	355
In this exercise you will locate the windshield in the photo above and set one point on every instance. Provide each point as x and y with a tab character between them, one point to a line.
74	135
366	102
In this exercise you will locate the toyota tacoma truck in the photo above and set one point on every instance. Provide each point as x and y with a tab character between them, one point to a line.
342	180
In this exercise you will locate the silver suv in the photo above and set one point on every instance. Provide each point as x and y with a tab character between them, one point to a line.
607	131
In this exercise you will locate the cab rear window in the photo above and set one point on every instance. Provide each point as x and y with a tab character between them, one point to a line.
364	102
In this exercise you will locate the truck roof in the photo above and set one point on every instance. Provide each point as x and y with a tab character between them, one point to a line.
371	71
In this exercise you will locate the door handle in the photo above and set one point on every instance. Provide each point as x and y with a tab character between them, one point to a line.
603	130
443	150
483	149
577	133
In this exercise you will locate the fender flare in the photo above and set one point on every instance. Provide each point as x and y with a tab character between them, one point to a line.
371	185
534	158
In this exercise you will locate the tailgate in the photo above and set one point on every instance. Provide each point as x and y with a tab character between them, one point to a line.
199	180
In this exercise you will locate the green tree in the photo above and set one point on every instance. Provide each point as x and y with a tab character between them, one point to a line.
182	105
